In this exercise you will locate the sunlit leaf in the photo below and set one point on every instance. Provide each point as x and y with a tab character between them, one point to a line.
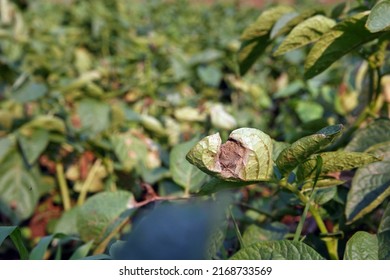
378	19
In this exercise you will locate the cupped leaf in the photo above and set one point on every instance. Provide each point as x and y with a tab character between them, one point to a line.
362	246
255	37
277	250
305	33
300	150
100	212
384	235
340	40
245	157
334	161
376	132
378	19
184	173
370	185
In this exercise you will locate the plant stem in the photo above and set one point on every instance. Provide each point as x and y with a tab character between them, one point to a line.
63	186
88	181
331	244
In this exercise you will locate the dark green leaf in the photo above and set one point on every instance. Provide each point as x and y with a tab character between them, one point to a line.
255	37
99	212
305	33
370	185
376	132
14	233
40	249
378	19
277	250
384	235
340	40
362	246
300	150
184	173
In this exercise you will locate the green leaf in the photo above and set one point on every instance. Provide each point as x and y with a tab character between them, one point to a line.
334	161
19	190
255	37
153	124
130	150
278	147
376	132
14	233
362	246
340	40
378	19
273	231
28	92
47	122
277	250
216	185
6	145
384	235
99	212
245	157
308	111
210	75
300	150
33	143
305	33
293	22
281	24
67	223
184	173
94	115
82	251
38	252
370	185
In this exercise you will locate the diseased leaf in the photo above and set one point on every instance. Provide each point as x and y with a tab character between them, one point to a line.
305	33
99	212
277	250
340	40
378	19
370	185
362	246
245	157
384	235
334	161
376	132
300	150
255	37
184	173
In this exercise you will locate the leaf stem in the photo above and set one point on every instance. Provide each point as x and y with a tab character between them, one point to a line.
331	244
63	186
88	181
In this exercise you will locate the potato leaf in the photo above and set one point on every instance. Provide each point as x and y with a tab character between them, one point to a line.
370	185
378	19
362	246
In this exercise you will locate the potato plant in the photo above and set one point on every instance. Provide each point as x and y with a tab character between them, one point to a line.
226	133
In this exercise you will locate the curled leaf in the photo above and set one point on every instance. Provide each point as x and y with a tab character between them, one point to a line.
246	156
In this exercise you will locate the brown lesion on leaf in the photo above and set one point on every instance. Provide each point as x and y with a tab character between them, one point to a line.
231	158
